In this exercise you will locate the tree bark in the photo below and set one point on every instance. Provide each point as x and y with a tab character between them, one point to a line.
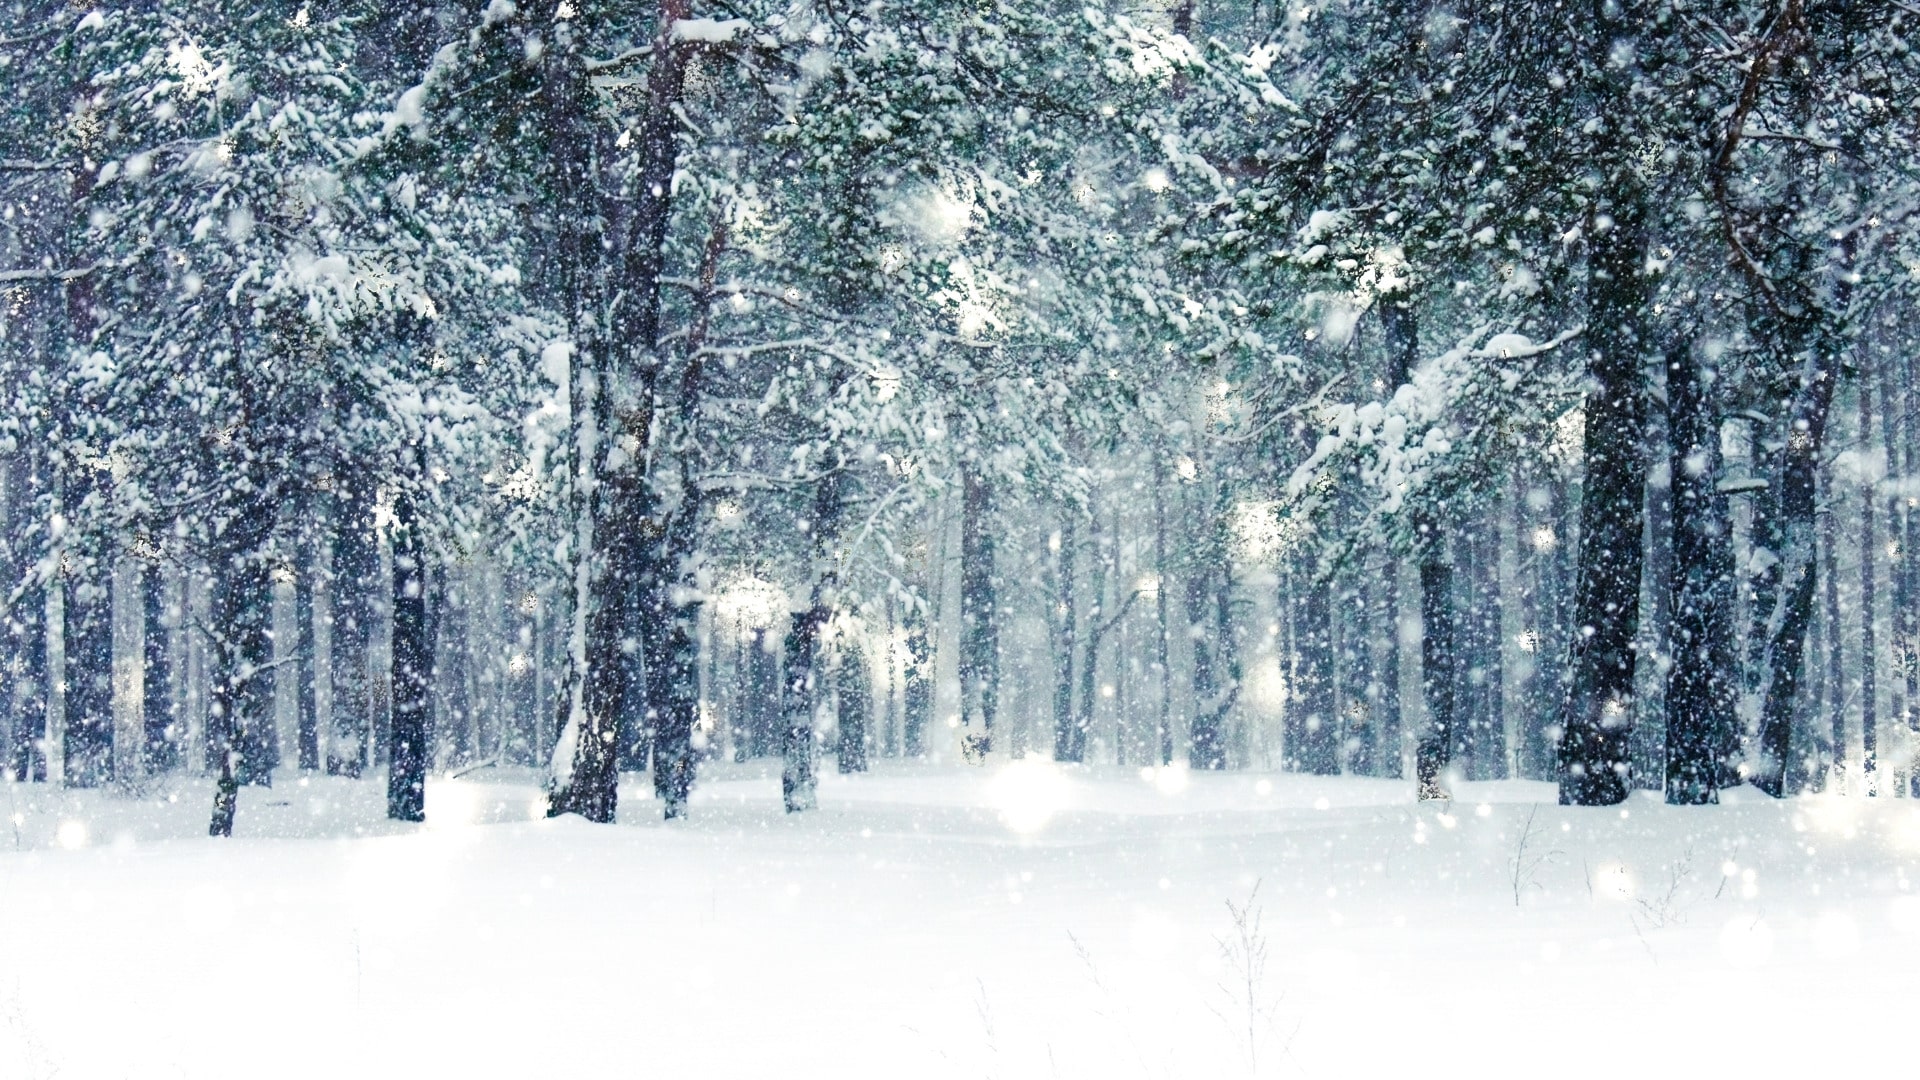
979	617
1700	697
412	665
1067	739
1869	655
1597	726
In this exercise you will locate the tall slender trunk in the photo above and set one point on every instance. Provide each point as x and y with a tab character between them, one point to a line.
673	661
159	716
305	667
1313	730
1097	621
356	561
88	637
1433	751
615	399
1067	739
1700	697
1869	655
854	685
1162	647
916	706
1833	637
1892	424
240	691
1438	663
412	665
805	650
1597	724
979	616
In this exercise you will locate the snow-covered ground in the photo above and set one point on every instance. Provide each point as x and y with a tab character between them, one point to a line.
934	921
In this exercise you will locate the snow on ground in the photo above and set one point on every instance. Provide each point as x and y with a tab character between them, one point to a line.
940	921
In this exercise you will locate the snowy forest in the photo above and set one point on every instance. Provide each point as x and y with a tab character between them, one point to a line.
702	412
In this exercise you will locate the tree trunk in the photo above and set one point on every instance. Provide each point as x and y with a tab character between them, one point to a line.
979	617
1067	739
412	664
805	649
1438	665
307	725
1869	656
159	717
917	698
1700	697
1313	728
356	562
240	694
854	684
88	718
1162	647
1597	725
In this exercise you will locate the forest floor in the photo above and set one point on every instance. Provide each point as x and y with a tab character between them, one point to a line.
1020	920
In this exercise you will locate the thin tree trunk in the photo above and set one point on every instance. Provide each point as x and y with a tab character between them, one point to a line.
1438	664
979	616
356	562
412	665
854	683
1869	710
1162	626
1066	738
805	650
159	717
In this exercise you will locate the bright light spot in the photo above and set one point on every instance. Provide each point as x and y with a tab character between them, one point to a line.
451	804
751	603
1148	585
1263	787
71	835
1835	814
1028	792
1156	180
1746	940
1266	686
1483	810
1187	469
1167	779
1321	803
1613	882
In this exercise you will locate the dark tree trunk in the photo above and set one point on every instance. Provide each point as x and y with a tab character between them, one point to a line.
798	791
856	703
763	692
412	668
805	651
1388	721
1869	656
241	647
1162	646
1438	665
356	564
673	662
88	757
307	725
979	617
1597	725
917	699
159	715
1700	695
1486	735
1067	738
1832	771
28	635
1312	735
1089	661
